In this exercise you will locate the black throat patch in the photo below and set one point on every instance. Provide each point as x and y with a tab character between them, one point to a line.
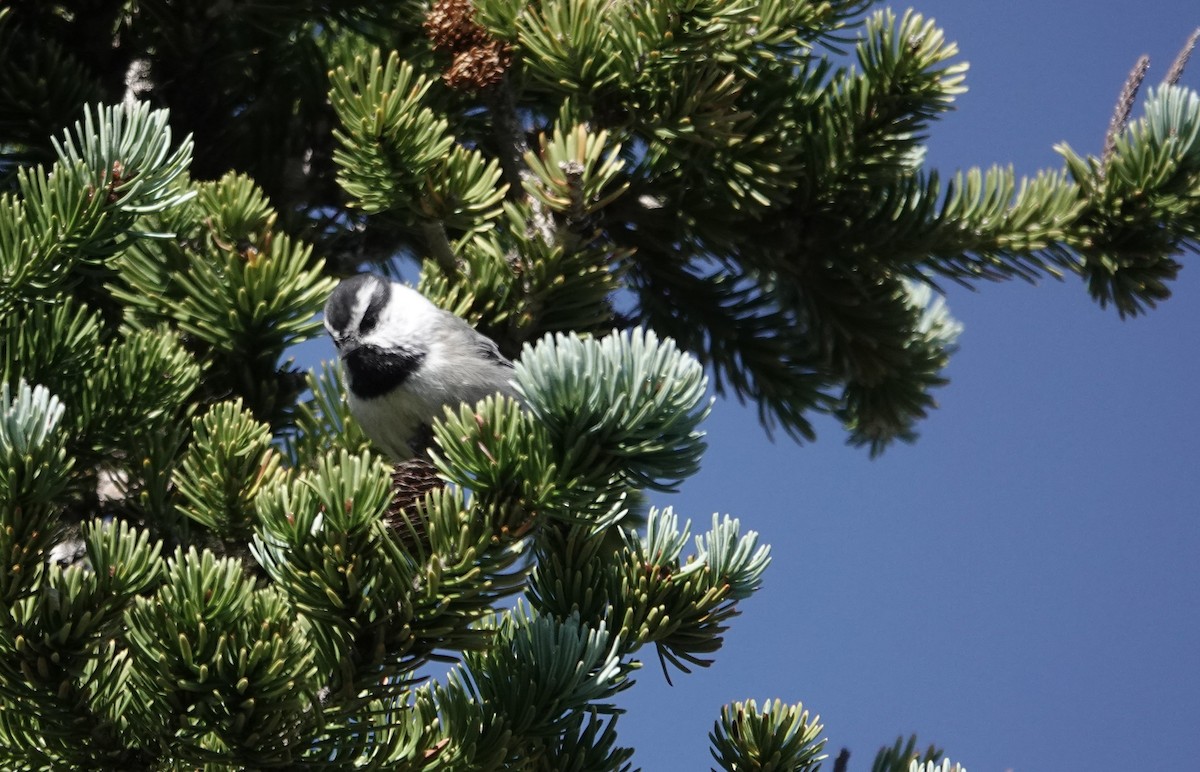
372	372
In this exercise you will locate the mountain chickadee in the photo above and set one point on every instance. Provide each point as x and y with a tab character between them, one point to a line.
404	359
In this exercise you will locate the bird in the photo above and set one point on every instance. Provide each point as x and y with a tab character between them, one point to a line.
405	360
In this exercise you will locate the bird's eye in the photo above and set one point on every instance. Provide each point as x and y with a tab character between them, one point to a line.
370	317
369	320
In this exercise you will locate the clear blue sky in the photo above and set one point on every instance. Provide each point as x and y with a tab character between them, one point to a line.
1022	586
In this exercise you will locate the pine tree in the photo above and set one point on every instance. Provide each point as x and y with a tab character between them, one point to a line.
205	563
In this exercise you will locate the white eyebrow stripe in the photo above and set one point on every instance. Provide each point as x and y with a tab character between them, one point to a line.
362	301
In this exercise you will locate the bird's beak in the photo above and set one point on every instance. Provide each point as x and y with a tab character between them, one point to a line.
346	344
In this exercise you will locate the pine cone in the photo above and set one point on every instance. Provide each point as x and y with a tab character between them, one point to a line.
479	67
411	480
451	26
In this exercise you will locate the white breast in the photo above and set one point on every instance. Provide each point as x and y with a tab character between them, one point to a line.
392	420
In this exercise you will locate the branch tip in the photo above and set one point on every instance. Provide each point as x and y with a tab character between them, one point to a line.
1124	107
1181	59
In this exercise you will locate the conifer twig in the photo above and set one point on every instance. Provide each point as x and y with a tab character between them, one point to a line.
513	147
438	244
1181	59
1124	107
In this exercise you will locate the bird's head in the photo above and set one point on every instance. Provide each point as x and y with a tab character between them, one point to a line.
380	330
354	310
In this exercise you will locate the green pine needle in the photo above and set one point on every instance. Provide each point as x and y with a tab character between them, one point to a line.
777	738
628	404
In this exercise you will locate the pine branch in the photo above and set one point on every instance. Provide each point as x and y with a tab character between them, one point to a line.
518	702
42	88
903	754
438	243
116	166
510	137
571	387
778	736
